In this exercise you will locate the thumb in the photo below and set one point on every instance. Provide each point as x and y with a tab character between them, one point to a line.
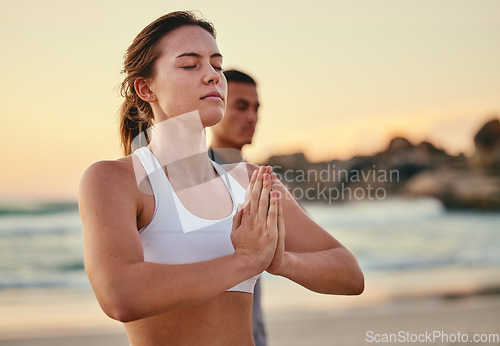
237	218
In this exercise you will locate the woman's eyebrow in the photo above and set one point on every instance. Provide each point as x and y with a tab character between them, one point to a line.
196	55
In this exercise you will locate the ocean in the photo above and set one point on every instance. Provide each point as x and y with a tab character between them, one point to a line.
41	244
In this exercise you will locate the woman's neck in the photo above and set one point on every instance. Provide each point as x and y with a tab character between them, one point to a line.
179	143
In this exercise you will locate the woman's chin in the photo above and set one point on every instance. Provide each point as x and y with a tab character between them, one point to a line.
211	119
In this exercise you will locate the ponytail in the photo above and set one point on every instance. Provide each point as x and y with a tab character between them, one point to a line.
133	127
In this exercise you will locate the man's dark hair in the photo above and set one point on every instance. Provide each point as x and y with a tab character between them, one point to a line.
238	76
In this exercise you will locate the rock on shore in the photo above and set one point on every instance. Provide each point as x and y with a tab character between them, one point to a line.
403	168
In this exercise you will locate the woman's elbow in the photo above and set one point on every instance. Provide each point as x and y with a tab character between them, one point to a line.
356	281
118	308
121	315
115	300
358	284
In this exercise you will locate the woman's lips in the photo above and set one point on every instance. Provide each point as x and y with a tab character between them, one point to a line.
213	96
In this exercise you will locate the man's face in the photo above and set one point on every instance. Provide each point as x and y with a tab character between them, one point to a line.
238	125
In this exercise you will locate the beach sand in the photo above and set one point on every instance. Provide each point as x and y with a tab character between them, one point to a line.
464	301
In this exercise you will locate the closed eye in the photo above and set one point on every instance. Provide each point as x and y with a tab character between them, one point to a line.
188	67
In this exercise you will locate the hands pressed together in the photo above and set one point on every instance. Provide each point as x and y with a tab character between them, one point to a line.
258	227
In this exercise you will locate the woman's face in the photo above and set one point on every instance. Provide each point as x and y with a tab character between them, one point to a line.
188	76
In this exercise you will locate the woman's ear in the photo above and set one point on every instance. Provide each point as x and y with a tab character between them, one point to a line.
143	90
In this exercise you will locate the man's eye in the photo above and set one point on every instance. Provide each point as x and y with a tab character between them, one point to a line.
217	68
188	67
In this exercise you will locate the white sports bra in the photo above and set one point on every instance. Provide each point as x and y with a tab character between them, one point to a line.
176	236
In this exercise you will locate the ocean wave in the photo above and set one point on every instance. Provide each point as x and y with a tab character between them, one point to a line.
36	208
423	265
394	210
45	250
38	224
37	284
37	231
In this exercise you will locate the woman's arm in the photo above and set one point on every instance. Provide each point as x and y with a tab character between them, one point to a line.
127	287
310	256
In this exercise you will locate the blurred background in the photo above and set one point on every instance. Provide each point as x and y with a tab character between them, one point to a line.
382	117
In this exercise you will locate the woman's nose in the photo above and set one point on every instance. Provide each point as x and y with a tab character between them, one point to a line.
212	76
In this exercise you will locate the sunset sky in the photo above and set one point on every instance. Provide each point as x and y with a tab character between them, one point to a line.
336	78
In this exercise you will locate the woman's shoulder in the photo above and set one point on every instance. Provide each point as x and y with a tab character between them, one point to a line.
121	167
109	174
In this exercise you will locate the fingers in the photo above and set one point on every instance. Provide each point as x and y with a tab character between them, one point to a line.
274	178
257	194
272	214
281	222
248	192
264	196
277	263
249	188
256	191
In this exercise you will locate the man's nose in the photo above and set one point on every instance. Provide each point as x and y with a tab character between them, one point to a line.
252	116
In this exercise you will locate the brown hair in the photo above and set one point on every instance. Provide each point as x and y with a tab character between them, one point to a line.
136	114
238	76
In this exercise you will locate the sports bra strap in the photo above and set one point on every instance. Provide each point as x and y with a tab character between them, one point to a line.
154	171
148	160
